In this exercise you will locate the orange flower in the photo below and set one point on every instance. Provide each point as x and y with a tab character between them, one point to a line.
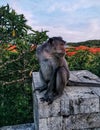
94	50
11	47
71	53
14	50
81	48
67	49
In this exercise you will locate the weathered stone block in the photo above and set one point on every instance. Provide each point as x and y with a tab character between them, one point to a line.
51	123
82	100
82	121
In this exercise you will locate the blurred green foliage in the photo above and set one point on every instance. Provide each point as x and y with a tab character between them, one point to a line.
15	85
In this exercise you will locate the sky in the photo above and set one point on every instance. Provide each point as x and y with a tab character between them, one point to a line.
73	20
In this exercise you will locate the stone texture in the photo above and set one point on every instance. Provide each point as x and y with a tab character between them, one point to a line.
29	126
85	76
51	123
82	100
82	121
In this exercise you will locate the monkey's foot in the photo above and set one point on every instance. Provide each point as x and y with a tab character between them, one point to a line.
43	99
49	100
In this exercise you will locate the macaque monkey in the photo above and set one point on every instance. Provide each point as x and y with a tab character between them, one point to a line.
54	71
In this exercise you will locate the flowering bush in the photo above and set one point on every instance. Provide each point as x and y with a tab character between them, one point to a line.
16	63
83	57
72	51
81	48
94	50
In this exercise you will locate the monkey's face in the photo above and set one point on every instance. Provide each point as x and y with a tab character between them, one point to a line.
57	48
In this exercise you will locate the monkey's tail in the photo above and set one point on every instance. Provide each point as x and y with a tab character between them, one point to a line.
76	83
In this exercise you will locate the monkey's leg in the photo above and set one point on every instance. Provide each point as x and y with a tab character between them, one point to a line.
61	80
48	96
56	91
60	83
56	85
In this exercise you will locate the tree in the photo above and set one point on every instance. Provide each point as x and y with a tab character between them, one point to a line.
12	25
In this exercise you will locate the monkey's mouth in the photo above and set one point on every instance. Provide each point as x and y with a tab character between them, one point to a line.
59	54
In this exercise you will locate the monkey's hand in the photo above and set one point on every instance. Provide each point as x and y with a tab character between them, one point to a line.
48	98
44	99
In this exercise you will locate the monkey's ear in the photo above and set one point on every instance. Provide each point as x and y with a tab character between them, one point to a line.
50	40
60	38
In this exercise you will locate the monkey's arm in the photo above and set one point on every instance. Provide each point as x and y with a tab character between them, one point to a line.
54	86
49	95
